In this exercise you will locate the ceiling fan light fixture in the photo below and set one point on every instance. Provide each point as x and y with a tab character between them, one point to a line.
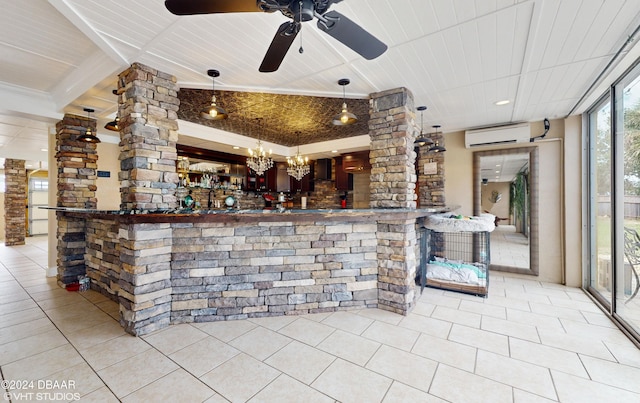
88	136
345	117
213	111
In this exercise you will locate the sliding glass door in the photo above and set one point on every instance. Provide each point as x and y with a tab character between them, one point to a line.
614	201
627	174
601	206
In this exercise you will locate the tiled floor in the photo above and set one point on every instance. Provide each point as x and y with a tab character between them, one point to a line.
527	342
509	248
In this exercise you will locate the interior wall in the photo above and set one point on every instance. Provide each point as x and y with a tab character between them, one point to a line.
501	208
459	190
361	193
108	192
573	224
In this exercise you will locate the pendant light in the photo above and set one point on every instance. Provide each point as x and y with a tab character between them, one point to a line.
88	136
113	125
344	118
213	111
437	148
421	140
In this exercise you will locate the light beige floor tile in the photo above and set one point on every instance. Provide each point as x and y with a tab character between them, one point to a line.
319	317
32	345
216	399
260	342
507	302
543	289
240	378
455	385
516	373
625	353
454	315
394	336
613	374
204	355
41	365
349	346
348	321
307	331
484	309
227	330
548	357
15	318
527	296
401	393
586	306
174	338
82	321
88	337
599	319
288	390
573	389
603	333
94	296
17	306
423	308
112	351
381	315
300	361
80	379
578	344
102	395
177	386
521	396
445	351
481	339
408	368
60	300
52	294
437	298
558	312
347	382
423	324
137	371
533	319
23	330
79	307
508	328
274	323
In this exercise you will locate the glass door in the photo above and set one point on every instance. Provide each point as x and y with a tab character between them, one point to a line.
600	189
627	185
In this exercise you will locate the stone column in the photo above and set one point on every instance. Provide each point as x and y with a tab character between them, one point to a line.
76	165
15	200
393	182
391	128
397	261
148	105
431	187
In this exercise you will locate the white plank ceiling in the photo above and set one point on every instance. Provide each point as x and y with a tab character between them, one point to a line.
458	57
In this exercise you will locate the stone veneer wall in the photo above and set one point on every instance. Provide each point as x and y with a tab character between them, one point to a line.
431	186
76	188
148	105
15	199
194	272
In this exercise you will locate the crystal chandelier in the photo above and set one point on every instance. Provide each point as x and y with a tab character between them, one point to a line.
258	161
298	166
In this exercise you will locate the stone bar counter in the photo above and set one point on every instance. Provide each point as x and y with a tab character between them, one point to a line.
176	266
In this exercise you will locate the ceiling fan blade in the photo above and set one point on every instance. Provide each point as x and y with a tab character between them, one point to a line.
351	34
280	44
190	7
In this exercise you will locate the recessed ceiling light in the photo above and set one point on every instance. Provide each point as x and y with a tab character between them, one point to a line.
334	151
236	147
44	149
503	102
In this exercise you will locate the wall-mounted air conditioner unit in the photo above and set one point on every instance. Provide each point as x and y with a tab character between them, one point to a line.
519	133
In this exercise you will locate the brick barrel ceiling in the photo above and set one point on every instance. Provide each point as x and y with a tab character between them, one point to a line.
283	116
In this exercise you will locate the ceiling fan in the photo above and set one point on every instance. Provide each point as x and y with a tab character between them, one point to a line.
332	22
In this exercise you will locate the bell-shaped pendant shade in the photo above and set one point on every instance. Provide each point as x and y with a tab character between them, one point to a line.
213	111
88	136
345	117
